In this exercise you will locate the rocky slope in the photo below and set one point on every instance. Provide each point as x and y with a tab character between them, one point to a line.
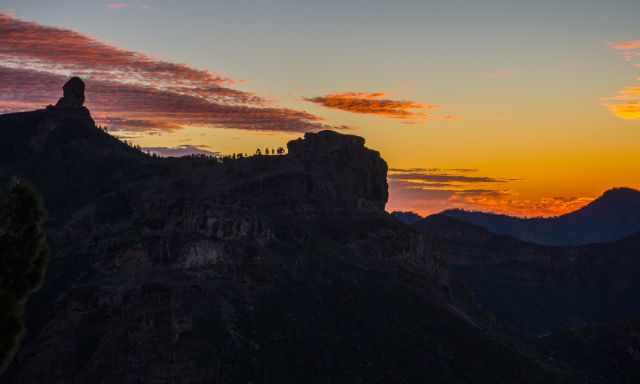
613	216
262	269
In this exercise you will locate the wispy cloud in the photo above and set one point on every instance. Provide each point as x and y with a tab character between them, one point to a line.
626	103
432	190
433	170
30	45
430	176
629	49
129	107
125	89
627	111
627	45
374	104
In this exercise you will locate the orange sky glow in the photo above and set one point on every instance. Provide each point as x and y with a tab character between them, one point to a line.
533	136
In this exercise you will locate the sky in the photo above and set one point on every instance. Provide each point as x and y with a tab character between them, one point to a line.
529	108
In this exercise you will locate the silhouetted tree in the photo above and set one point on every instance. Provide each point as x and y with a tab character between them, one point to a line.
23	260
266	151
258	152
280	151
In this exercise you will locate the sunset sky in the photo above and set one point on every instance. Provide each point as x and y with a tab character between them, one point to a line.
522	107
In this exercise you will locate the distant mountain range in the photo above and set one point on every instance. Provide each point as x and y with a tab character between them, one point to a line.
613	216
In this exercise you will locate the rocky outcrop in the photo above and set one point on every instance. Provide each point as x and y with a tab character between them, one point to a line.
73	94
343	171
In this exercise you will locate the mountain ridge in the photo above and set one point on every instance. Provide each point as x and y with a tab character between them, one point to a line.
612	216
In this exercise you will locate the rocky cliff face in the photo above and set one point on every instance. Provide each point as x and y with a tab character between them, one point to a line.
262	269
358	179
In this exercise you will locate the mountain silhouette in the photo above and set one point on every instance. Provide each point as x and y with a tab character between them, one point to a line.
406	217
613	216
260	269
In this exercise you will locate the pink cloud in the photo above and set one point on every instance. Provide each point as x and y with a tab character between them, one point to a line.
431	199
128	90
429	191
25	44
626	45
630	49
131	107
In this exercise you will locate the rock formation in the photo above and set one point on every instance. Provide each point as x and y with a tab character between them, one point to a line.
358	177
73	94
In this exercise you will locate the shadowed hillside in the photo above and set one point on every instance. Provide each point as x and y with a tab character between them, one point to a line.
531	289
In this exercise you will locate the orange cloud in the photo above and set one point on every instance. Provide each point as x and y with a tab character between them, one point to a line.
426	201
374	104
429	191
630	92
626	103
627	111
627	45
